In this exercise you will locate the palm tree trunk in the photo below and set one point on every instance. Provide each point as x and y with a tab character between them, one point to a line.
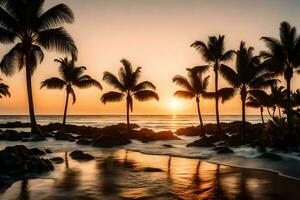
34	128
262	115
243	118
127	114
219	131
65	111
288	106
200	116
243	98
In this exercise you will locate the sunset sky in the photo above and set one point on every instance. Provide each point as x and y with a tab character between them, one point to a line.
154	34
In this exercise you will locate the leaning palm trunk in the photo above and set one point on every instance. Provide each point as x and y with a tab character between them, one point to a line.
288	104
66	108
219	131
34	128
262	115
200	116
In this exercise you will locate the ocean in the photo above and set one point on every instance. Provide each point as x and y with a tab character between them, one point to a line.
155	122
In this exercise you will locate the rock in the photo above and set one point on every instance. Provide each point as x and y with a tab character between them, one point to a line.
79	155
84	141
18	162
223	150
261	149
152	169
57	160
167	145
63	136
202	142
270	156
111	140
37	152
148	135
10	135
48	151
189	131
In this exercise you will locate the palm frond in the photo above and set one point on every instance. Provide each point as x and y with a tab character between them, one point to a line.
4	90
183	82
145	95
112	97
112	80
226	94
6	36
227	55
86	81
203	50
55	16
53	83
199	69
209	95
144	85
184	94
230	75
58	39
12	60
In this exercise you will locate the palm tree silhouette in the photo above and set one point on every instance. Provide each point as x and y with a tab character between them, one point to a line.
214	54
4	89
277	98
258	99
283	57
71	75
128	87
25	24
194	86
249	76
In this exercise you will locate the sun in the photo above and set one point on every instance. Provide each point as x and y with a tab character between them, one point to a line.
175	105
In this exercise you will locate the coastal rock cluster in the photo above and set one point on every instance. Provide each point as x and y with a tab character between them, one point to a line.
19	162
109	136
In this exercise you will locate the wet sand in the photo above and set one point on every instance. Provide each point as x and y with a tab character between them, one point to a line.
120	174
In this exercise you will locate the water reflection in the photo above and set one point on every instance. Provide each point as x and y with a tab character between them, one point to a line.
121	174
24	193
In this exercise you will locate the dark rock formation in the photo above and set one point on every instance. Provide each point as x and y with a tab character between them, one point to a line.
189	131
57	160
223	150
152	169
79	155
18	161
111	140
270	156
84	141
167	145
64	136
203	142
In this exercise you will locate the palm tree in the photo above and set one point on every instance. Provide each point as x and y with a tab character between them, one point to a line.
214	54
249	75
194	86
4	89
128	87
23	23
258	99
283	58
71	75
277	98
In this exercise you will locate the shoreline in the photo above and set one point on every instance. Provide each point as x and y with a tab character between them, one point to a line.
223	164
134	163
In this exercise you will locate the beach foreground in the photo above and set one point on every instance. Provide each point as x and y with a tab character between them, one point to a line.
123	174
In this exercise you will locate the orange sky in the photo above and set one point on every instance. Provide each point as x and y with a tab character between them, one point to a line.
155	35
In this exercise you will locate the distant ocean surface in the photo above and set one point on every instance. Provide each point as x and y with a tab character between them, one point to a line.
155	122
